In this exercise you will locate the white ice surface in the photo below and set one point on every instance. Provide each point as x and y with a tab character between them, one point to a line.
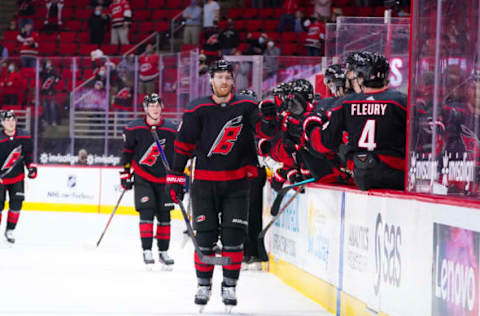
55	269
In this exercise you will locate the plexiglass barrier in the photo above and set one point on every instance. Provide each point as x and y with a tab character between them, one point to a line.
444	151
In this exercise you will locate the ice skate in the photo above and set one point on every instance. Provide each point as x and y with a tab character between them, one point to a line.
202	296
165	260
148	258
229	297
9	236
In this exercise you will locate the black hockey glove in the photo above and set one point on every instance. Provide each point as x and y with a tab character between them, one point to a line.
294	128
175	185
268	110
126	179
264	147
311	122
278	179
32	171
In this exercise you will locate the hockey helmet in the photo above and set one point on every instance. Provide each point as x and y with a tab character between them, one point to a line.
304	88
374	70
152	98
248	92
282	89
335	74
7	114
220	66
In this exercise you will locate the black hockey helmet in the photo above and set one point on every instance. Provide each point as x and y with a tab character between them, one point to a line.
282	89
374	69
356	58
303	87
152	98
335	74
248	92
7	114
220	66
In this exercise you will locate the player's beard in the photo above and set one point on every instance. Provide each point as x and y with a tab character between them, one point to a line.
222	92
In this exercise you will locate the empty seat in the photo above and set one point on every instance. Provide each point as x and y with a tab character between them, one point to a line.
270	25
250	13
254	25
139	4
141	15
10	35
86	49
74	26
68	37
235	13
68	49
288	37
160	14
364	11
289	49
82	14
47	48
266	13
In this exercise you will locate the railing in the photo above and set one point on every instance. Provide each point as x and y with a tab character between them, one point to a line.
24	119
107	125
146	39
174	28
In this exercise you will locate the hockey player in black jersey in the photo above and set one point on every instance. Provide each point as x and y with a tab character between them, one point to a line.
376	124
218	129
141	155
15	153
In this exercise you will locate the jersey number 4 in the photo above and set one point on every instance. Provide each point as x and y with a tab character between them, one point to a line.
367	138
149	158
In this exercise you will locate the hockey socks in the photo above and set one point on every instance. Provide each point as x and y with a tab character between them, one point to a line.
12	219
146	233
163	236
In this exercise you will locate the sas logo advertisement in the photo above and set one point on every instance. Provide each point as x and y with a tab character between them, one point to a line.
455	271
318	239
289	218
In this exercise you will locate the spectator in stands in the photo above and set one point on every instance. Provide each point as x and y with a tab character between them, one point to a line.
148	70
82	157
192	15
3	53
211	48
335	13
123	100
49	79
299	22
270	59
256	46
28	46
120	16
229	38
97	24
26	12
288	16
211	13
242	71
315	39
54	8
322	9
12	85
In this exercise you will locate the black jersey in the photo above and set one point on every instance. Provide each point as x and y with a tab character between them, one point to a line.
141	151
12	148
220	136
375	122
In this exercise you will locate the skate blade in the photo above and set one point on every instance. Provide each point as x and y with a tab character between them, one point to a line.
165	267
201	308
228	309
149	267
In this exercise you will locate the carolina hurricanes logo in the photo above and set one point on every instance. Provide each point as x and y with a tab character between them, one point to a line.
12	157
470	141
226	138
123	93
47	83
145	67
150	156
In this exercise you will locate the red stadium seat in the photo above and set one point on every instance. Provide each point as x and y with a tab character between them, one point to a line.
83	37
82	14
162	26
67	13
188	47
10	35
342	3
289	49
174	4
235	13
239	25
86	49
146	27
68	37
109	49
364	11
48	38
141	15
254	25
87	73
301	37
270	25
125	48
250	13
81	3
349	11
11	46
68	49
156	4
61	98
274	36
266	13
288	37
379	11
138	4
160	14
173	13
47	48
74	26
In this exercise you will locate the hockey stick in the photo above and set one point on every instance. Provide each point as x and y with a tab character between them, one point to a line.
283	191
111	216
260	241
214	260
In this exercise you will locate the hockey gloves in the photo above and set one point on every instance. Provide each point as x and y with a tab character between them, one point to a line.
278	179
176	185
126	179
268	110
32	171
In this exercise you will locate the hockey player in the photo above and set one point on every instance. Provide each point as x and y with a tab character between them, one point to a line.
15	152
141	154
376	124
218	129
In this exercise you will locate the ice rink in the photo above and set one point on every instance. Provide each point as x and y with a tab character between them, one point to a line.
55	269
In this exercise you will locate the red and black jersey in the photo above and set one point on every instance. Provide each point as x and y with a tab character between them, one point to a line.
141	151
374	122
220	136
12	148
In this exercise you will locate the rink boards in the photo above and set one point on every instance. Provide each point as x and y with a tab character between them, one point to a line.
78	189
379	253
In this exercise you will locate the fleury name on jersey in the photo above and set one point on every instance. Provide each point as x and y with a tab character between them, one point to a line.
362	109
